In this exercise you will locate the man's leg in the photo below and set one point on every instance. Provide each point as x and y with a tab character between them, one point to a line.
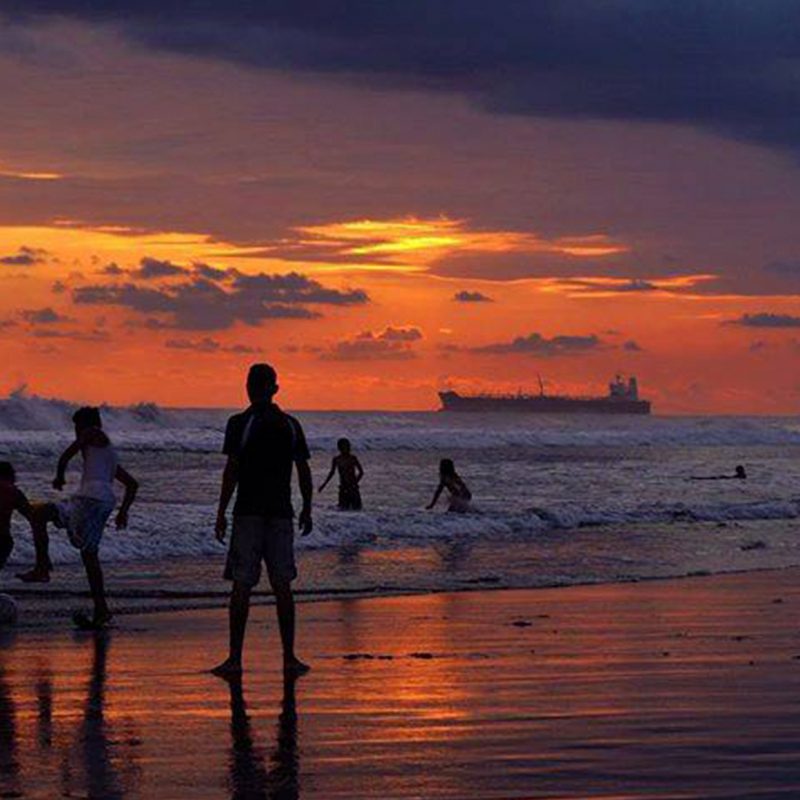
40	573
279	556
238	612
284	605
94	574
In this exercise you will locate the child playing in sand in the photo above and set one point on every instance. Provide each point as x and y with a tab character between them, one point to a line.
84	515
11	500
350	474
460	495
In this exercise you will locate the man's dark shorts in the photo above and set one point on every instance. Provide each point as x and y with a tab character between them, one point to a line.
257	539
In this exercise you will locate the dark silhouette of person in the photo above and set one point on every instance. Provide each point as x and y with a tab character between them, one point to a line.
460	495
104	770
9	744
101	779
44	707
263	445
11	500
84	515
350	474
250	777
739	474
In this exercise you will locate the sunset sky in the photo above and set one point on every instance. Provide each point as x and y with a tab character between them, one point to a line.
388	198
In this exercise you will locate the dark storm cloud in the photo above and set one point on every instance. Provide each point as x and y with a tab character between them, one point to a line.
200	304
208	345
210	273
150	268
766	320
295	288
25	257
466	296
390	344
95	335
729	67
537	345
43	316
784	269
637	285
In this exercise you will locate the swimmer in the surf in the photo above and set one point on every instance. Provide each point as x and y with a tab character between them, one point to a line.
739	474
460	495
350	474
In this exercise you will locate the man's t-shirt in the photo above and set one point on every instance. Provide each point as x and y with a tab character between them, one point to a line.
267	443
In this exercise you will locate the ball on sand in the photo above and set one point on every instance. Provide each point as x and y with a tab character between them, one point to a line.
8	610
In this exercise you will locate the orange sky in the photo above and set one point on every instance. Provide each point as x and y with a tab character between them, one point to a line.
578	248
111	352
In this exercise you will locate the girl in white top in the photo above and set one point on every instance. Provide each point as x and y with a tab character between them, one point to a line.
84	515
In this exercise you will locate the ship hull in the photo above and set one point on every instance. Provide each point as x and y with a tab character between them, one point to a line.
451	401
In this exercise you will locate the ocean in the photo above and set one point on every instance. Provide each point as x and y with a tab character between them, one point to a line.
558	499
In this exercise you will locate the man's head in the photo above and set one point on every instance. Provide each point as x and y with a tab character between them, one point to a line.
262	383
87	417
7	472
344	446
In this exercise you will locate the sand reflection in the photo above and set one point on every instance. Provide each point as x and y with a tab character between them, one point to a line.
252	774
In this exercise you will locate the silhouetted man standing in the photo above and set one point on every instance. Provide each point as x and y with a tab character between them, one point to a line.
262	445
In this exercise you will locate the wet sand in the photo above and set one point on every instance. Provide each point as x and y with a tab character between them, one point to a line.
679	689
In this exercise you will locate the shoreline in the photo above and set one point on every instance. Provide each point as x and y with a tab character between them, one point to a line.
218	599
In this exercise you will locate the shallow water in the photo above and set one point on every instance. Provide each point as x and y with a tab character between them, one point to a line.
558	499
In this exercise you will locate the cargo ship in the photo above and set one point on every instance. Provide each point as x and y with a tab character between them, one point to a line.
622	398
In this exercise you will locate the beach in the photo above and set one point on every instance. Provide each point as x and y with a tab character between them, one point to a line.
676	688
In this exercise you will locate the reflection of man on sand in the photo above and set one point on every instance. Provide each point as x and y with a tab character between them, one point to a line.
739	474
249	776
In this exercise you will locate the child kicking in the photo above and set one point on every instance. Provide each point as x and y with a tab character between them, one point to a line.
11	500
350	474
84	515
460	495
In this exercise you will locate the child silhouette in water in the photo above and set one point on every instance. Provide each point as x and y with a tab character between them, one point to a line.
350	474
739	474
460	495
11	500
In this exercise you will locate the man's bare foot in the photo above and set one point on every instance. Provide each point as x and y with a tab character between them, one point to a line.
34	575
294	666
228	669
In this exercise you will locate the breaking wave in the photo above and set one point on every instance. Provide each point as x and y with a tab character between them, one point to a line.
34	424
160	530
